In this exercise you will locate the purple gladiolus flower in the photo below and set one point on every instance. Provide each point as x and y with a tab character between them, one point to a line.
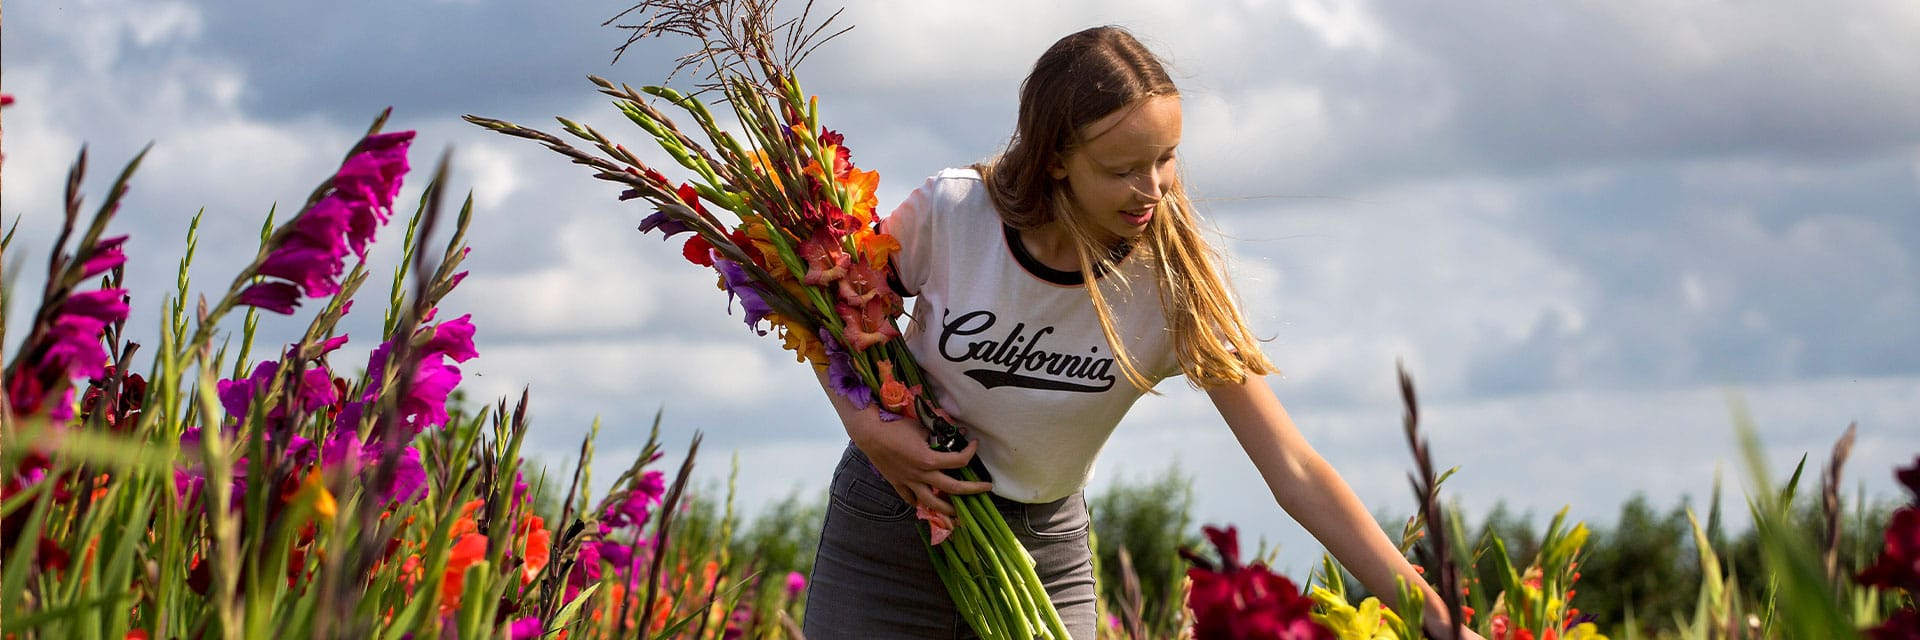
668	226
841	375
741	285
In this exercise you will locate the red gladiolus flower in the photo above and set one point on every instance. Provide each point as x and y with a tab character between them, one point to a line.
862	283
867	325
826	262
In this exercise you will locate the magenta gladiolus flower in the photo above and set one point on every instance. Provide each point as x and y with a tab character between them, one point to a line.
454	339
525	628
314	390
278	297
637	506
106	255
796	583
433	379
69	349
312	256
372	177
344	447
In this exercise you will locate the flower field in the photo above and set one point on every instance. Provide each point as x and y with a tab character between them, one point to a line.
242	485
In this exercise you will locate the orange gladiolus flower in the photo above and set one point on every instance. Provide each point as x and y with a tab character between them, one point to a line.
895	395
877	248
862	197
805	346
536	546
468	550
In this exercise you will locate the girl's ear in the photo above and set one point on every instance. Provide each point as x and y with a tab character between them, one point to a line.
1057	168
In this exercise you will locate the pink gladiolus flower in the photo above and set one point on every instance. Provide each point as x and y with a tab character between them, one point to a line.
939	525
826	262
867	325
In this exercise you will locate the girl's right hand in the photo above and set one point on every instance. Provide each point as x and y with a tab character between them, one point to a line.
899	450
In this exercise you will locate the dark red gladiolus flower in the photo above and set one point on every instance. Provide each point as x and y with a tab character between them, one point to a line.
1235	602
1899	564
1902	625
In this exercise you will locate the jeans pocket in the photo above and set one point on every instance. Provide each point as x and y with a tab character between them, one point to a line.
859	491
1061	519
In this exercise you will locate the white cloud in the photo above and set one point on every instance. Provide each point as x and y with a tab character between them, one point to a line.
1340	23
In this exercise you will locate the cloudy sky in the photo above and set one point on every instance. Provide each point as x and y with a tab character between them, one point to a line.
1584	226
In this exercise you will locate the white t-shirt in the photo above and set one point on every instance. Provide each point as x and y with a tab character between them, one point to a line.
1013	348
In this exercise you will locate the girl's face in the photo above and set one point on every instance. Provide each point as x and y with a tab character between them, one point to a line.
1115	179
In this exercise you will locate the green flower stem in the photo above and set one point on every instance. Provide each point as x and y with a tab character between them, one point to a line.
1018	606
966	592
1002	539
988	620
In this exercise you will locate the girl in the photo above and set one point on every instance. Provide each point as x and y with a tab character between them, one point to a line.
1054	286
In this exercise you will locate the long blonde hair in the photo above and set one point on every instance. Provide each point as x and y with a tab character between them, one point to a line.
1080	79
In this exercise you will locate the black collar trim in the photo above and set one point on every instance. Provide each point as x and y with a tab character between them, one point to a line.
1050	274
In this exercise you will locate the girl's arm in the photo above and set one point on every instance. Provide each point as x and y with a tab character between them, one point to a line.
1314	494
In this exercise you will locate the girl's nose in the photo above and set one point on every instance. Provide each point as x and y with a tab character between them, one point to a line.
1149	186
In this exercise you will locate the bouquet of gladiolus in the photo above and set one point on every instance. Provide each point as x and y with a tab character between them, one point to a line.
801	250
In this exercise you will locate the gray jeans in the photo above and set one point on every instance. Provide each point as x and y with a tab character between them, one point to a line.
873	578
